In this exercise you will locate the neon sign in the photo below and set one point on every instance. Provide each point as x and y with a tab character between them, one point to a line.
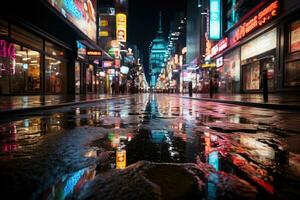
258	20
7	50
71	7
93	53
81	50
107	63
219	47
121	22
215	20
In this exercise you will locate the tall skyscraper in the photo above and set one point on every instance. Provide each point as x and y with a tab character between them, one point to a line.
158	50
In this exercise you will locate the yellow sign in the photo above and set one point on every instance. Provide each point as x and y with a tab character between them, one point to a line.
103	23
121	22
209	65
103	34
121	159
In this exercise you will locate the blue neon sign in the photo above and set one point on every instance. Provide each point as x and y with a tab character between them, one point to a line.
215	20
71	7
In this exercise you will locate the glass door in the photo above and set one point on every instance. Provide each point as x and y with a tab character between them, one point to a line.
268	64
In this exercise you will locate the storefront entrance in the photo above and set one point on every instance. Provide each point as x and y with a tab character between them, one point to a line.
30	64
252	74
258	55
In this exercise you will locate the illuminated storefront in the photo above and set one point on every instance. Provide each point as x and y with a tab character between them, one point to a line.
257	55
267	39
292	57
247	49
229	72
49	58
23	71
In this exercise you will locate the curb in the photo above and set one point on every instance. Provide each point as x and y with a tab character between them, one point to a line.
18	111
251	104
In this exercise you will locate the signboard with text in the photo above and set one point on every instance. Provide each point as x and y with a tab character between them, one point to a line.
81	50
215	20
121	21
260	19
80	13
219	47
94	53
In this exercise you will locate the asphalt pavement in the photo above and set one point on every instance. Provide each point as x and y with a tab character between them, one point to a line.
151	146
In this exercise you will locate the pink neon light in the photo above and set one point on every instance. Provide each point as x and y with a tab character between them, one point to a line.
2	48
7	50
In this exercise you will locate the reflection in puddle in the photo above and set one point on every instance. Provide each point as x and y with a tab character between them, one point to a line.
158	129
70	184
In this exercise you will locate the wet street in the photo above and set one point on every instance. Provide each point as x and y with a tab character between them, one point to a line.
173	148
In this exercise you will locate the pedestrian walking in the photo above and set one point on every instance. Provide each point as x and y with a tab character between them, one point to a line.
190	88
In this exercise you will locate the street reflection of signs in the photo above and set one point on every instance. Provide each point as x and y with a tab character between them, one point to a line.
121	159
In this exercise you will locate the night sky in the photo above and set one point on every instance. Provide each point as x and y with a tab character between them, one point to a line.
143	21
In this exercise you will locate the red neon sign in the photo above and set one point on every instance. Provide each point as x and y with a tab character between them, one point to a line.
219	47
258	20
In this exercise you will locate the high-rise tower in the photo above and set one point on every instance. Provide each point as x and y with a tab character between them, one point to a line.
158	50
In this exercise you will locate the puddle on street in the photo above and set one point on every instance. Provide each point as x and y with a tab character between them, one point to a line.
156	129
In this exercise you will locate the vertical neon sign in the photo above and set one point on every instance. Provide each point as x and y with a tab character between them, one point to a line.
215	20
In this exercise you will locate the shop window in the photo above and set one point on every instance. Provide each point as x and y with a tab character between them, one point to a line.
25	71
25	37
292	73
232	71
55	75
3	28
268	64
251	76
54	50
4	76
77	77
89	78
294	37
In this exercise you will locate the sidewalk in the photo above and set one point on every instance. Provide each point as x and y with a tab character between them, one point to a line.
10	105
276	101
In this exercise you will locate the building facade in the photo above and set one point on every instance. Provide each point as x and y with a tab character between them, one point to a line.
256	37
194	33
157	58
44	47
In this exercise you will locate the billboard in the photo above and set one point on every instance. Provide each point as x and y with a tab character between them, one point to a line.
81	13
121	20
107	24
215	19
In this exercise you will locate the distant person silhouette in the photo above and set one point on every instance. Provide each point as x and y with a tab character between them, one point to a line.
190	89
